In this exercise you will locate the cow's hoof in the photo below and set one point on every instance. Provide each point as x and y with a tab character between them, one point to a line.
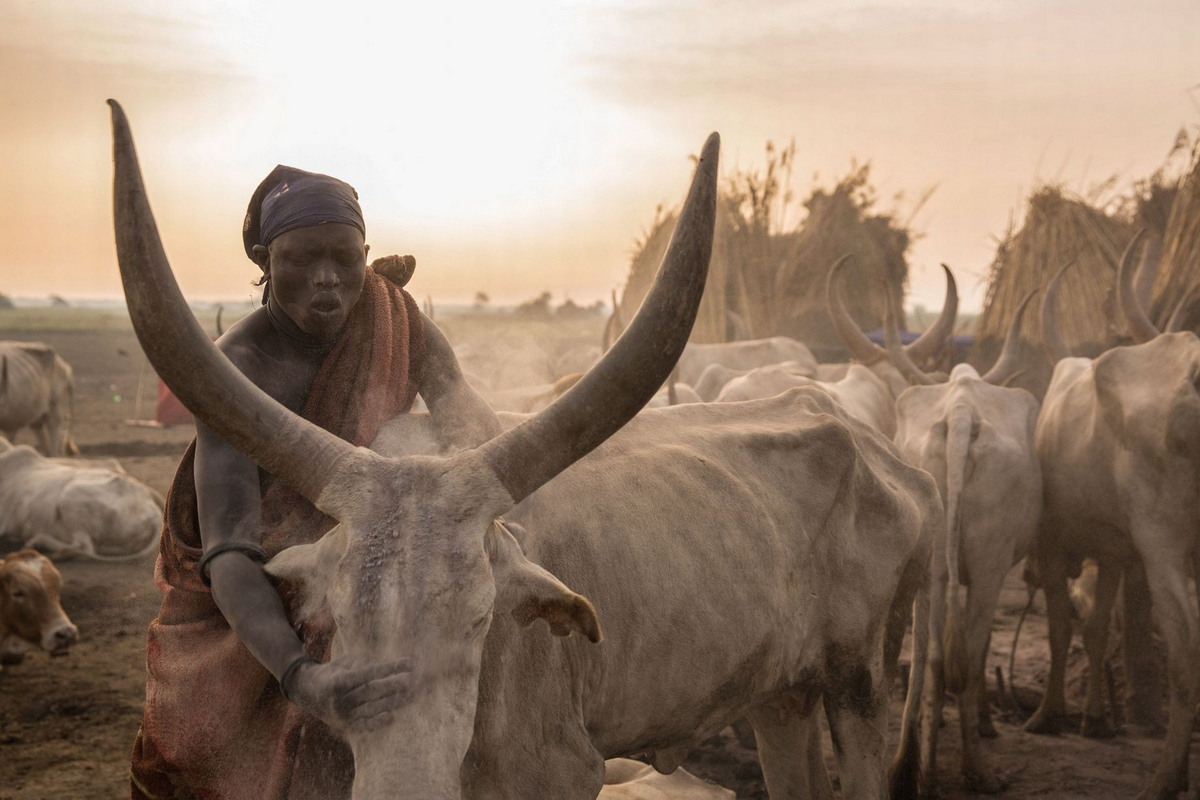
1045	724
987	730
982	783
1097	728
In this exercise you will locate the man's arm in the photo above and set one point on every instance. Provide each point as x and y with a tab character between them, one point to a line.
461	417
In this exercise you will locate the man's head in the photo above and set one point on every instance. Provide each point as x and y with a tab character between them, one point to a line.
306	233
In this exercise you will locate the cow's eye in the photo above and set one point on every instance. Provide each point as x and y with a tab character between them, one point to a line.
481	623
18	594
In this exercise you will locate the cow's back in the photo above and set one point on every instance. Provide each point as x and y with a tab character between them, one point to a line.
754	541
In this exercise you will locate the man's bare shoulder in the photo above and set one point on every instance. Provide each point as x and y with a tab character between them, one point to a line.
247	341
268	360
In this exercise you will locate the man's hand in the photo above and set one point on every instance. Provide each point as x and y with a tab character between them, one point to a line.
350	696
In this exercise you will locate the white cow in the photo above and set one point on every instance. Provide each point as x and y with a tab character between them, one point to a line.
744	355
37	391
660	526
66	509
976	439
810	627
1119	438
860	391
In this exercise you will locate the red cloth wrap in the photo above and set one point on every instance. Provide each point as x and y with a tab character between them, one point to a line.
215	725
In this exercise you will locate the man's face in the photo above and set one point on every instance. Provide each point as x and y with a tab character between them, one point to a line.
317	275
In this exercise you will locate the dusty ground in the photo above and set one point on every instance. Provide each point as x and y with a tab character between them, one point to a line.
66	724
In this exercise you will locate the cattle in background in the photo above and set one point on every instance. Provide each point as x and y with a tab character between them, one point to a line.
31	615
505	712
71	508
921	351
975	437
1119	442
37	391
860	392
744	355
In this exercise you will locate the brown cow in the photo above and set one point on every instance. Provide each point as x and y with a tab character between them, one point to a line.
30	613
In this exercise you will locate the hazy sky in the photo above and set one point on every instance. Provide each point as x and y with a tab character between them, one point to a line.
523	146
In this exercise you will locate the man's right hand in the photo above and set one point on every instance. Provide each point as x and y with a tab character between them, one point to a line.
349	696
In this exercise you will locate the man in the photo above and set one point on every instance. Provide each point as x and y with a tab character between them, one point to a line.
348	349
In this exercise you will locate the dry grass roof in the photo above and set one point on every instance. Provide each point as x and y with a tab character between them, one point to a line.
764	281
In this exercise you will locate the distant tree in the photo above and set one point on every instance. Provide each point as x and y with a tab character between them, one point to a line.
537	308
6	302
58	300
481	300
569	309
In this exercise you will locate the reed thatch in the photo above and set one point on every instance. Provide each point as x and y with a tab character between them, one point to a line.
764	281
1058	229
1179	264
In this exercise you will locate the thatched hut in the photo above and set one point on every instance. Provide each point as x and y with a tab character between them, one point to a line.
1058	229
1179	264
766	282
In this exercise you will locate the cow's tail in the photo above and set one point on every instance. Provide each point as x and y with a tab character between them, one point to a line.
958	441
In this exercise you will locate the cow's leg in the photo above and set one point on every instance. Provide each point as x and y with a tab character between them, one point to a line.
1095	642
51	434
788	732
46	444
981	607
1143	670
1178	617
986	727
934	684
857	713
1052	712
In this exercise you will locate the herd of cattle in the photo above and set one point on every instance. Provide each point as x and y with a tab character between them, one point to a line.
756	544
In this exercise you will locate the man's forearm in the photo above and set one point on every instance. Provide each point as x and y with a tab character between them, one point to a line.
254	611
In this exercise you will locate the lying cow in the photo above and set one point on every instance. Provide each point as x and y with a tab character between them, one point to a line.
660	526
626	779
37	391
67	509
31	615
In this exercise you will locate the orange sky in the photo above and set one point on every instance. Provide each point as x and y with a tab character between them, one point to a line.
521	147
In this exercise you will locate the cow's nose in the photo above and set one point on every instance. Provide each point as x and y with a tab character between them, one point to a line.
65	636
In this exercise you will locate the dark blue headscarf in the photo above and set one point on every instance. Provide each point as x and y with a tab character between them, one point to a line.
291	198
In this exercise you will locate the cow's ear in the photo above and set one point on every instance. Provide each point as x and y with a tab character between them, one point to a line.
529	592
310	567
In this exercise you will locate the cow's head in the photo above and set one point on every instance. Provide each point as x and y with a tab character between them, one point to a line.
416	568
31	614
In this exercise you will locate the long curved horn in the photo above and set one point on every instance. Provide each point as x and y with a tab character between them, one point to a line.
1140	326
860	347
184	356
1182	309
1007	364
1056	349
929	342
619	385
898	354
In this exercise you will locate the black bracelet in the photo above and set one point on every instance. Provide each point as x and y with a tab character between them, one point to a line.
297	662
252	551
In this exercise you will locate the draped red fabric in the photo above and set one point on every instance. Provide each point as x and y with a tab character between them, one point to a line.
215	725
